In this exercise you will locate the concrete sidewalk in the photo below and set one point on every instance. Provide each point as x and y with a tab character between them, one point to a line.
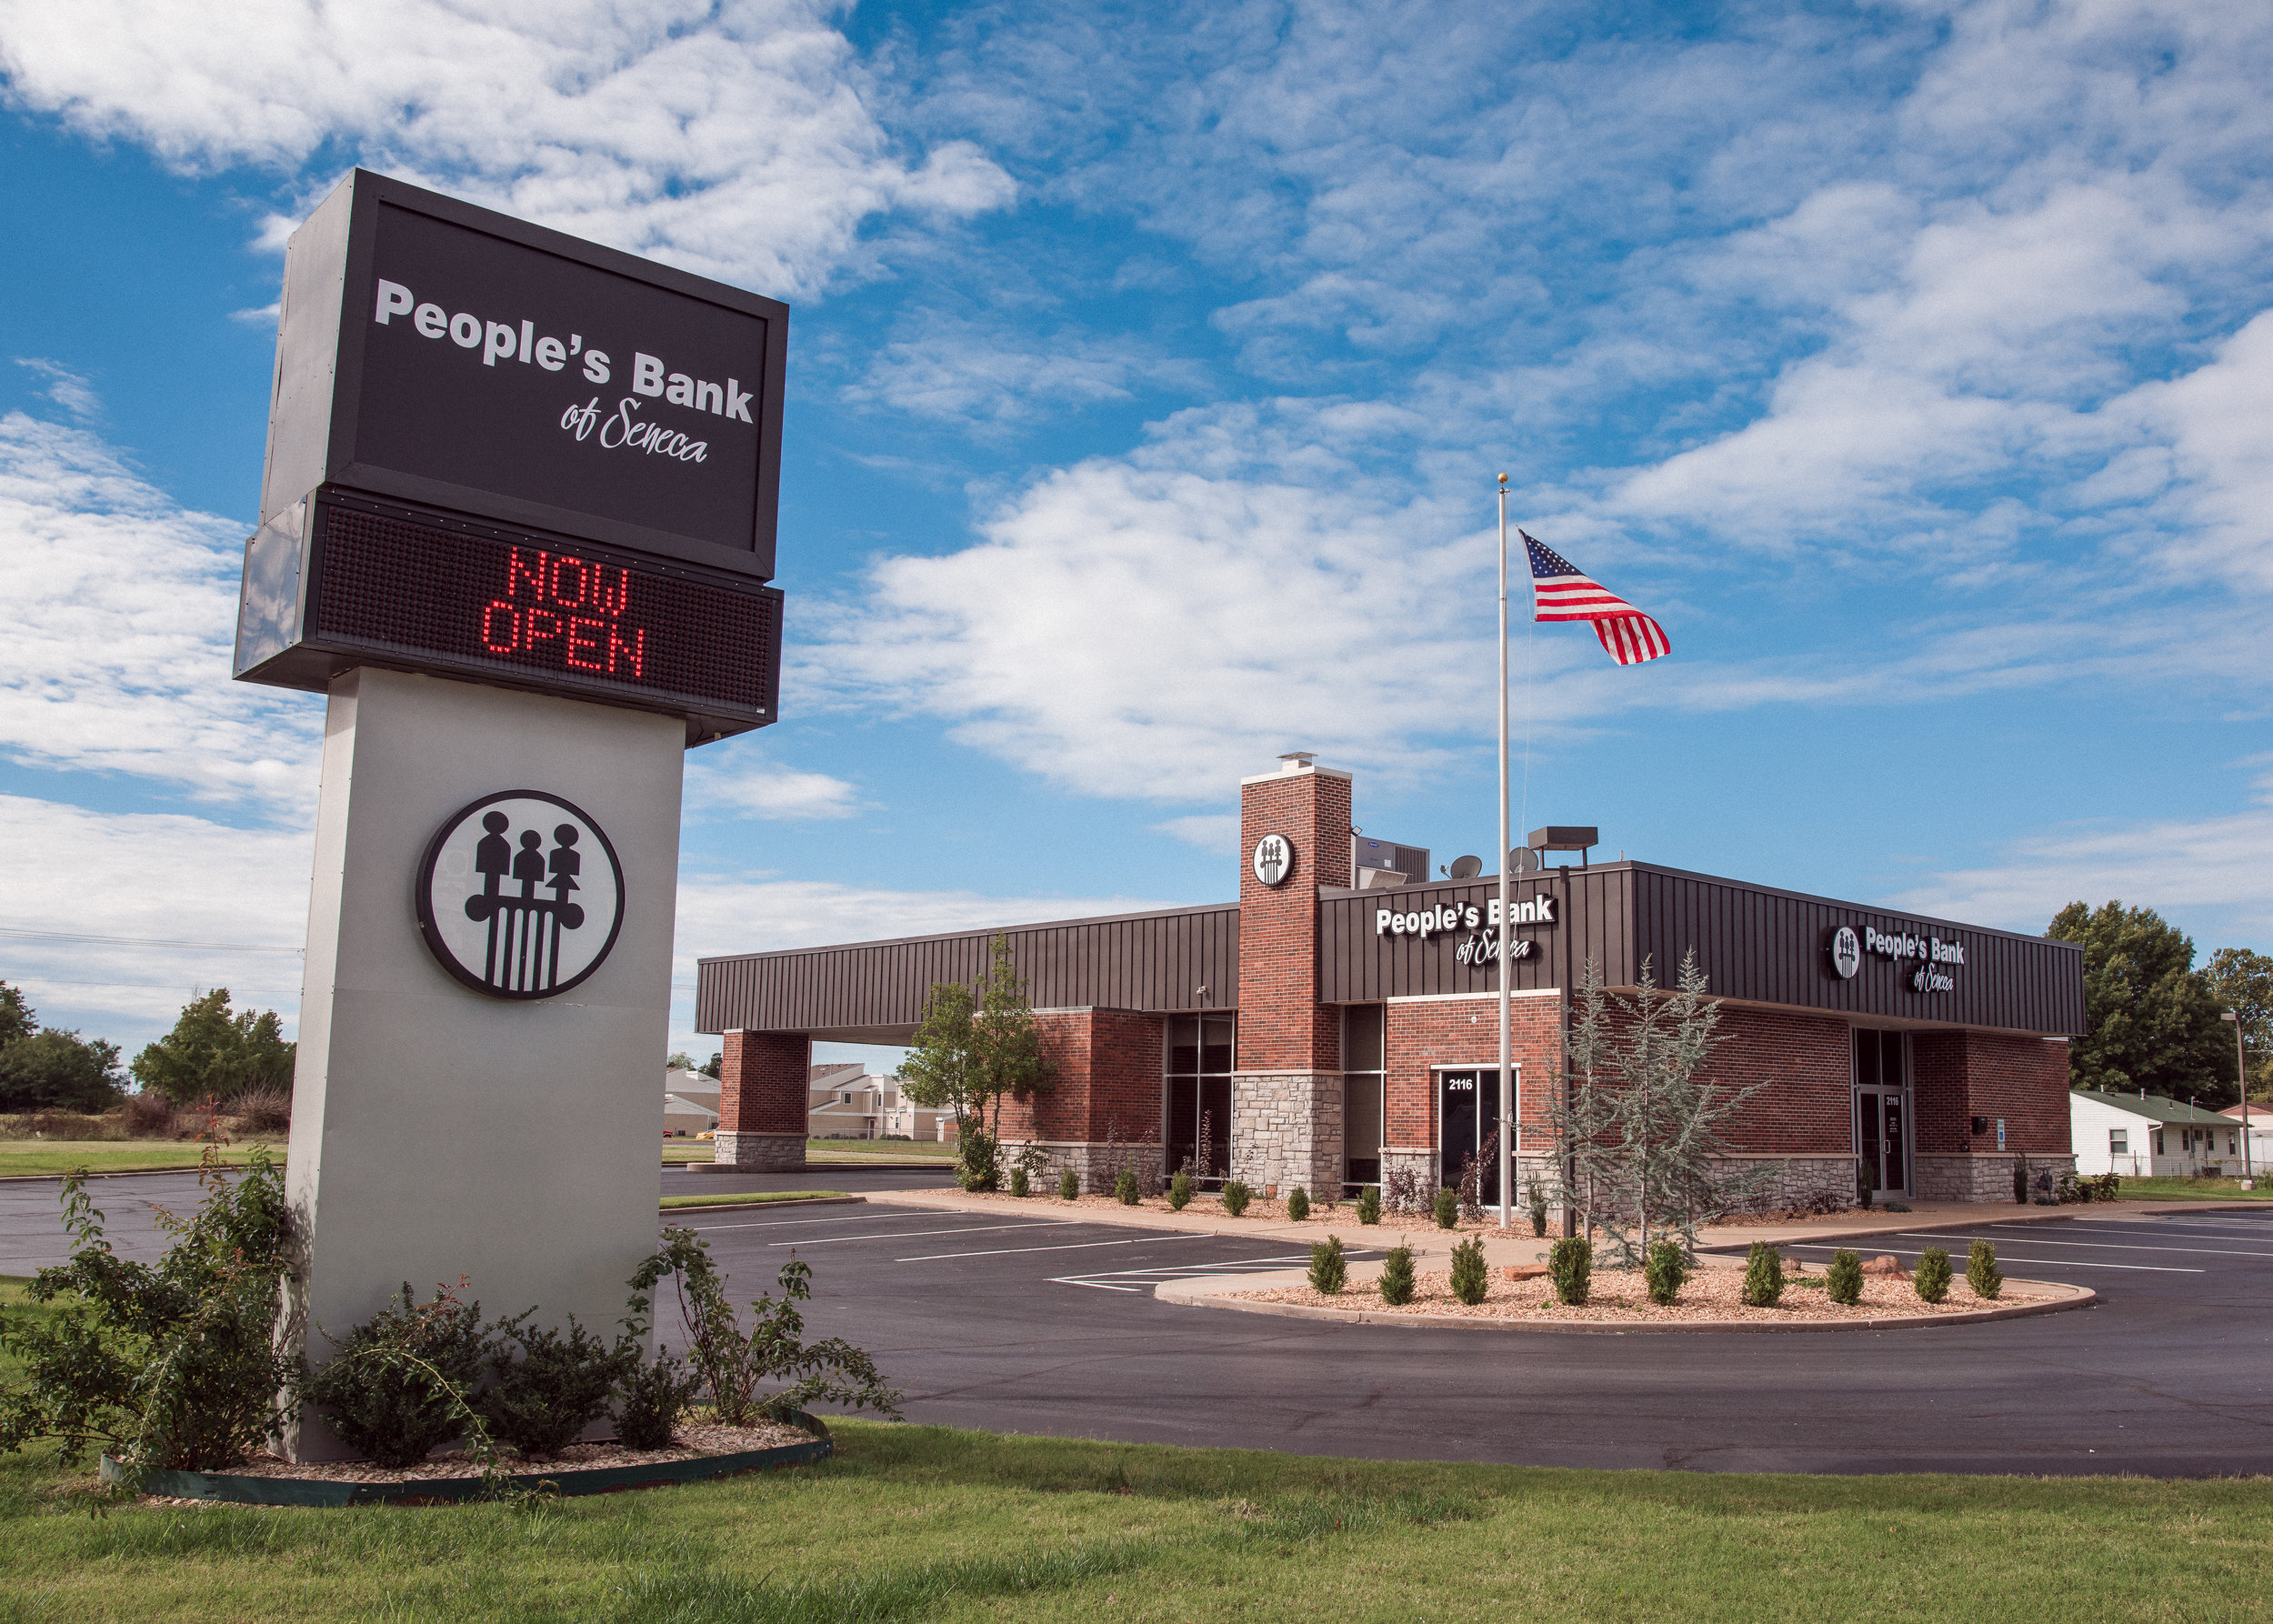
1432	1246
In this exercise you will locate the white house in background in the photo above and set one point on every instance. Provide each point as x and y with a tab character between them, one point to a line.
849	1102
690	1102
2145	1136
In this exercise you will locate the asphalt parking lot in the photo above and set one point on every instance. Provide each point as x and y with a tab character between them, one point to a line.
1042	1325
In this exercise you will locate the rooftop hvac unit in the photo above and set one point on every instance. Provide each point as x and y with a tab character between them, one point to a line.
1368	857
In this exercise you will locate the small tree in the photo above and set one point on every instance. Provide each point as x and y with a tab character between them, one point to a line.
1471	1279
1931	1282
1981	1272
215	1054
1763	1277
1843	1281
1642	1130
1570	1269
1297	1204
1665	1272
1329	1271
971	1053
1369	1204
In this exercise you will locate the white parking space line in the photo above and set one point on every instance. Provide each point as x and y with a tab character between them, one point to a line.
2159	1269
1076	1246
911	1234
2143	1227
2116	1246
921	1215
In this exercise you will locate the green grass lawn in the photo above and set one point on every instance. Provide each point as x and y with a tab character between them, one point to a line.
2194	1190
685	1151
23	1156
922	1522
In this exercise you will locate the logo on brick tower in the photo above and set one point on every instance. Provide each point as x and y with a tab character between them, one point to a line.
1846	952
520	895
1274	859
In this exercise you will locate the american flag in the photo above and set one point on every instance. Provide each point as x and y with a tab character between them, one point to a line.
1560	592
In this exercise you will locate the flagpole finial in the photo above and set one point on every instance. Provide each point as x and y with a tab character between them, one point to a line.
1503	479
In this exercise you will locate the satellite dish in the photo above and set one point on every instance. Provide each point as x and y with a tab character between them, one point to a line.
1466	867
1523	860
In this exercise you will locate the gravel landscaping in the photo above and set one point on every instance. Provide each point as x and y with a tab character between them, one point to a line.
1617	1295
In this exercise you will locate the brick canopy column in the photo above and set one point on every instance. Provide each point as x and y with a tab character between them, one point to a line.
1286	1094
762	1102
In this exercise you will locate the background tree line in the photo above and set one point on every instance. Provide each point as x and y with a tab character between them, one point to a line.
213	1053
2154	1018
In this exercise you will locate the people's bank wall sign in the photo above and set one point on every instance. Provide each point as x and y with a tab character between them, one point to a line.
499	453
1936	960
520	895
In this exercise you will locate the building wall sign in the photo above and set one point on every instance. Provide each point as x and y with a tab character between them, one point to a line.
1274	859
1937	956
520	895
1846	952
1479	921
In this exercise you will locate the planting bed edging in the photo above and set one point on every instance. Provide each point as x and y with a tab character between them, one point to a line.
1214	1293
239	1489
721	1205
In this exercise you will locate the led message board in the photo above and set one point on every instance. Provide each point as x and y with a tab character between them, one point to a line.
436	352
343	581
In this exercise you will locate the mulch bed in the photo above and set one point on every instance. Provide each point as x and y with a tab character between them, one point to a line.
695	1439
1619	1295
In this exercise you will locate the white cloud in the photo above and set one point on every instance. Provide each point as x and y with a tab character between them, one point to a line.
962	372
1216	832
156	878
2208	872
740	140
66	388
117	627
761	789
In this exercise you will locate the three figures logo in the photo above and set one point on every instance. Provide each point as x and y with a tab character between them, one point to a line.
1274	859
508	914
1846	952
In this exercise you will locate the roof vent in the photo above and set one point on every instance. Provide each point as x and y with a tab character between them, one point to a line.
1293	761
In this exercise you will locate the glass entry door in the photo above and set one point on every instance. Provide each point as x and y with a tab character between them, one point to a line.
1882	1110
1463	1113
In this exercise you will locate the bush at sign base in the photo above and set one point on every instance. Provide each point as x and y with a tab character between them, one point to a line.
1570	1269
1664	1271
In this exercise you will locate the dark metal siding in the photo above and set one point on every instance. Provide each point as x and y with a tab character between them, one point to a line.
1136	961
1771	947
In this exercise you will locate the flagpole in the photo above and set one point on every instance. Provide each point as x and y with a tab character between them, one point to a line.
1507	1102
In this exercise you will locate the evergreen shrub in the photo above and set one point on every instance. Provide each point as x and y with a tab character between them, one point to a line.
559	1385
1666	1270
1931	1282
1017	1181
1068	1185
397	1386
1981	1272
1570	1269
1471	1277
1535	1198
1447	1207
1369	1204
1297	1204
1763	1277
1843	1281
1124	1187
655	1393
1179	1192
1397	1276
1236	1197
1329	1271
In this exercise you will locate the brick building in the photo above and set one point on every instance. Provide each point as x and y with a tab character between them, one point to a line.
1339	1022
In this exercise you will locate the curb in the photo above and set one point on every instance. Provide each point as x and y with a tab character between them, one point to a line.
120	1173
1192	1294
763	1206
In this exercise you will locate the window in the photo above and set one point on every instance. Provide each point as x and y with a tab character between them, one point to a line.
1196	1060
846	1098
2118	1141
2159	1151
1364	1068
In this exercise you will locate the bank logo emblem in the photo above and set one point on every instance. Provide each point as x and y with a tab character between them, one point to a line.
1274	859
520	895
1846	952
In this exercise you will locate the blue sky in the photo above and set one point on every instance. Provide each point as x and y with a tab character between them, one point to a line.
1150	368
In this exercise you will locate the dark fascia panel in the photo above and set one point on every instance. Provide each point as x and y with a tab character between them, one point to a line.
956	936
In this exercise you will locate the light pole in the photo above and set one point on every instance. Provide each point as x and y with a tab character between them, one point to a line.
1507	1088
2241	1072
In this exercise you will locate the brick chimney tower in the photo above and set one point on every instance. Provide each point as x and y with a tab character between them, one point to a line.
1286	1094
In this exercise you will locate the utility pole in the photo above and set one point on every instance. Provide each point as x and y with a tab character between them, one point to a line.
2241	1072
